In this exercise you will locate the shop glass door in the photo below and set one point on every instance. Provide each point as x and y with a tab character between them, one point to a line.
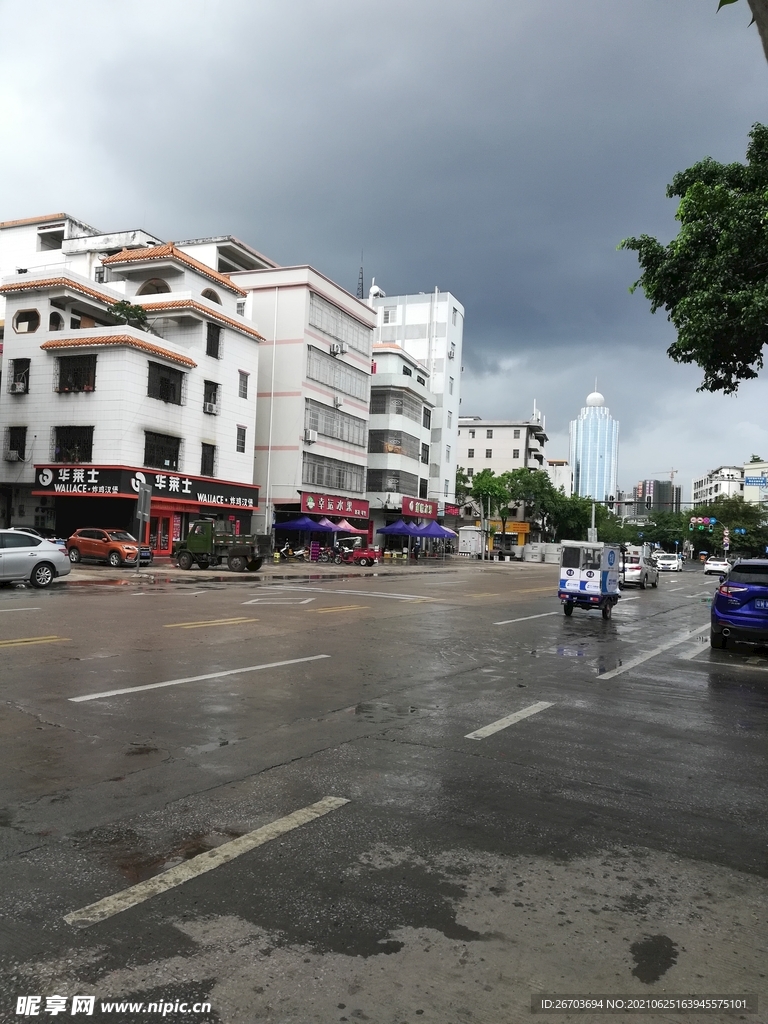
160	534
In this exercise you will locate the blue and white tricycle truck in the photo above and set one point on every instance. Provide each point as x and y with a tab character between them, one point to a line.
589	576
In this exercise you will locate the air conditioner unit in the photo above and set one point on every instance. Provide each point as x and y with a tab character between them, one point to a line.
18	387
22	327
211	407
336	402
11	457
310	436
451	353
339	348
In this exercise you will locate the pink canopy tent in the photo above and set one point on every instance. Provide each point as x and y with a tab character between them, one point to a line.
343	526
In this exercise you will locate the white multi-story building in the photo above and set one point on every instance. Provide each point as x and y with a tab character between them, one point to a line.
430	327
723	482
561	475
90	405
756	481
313	390
399	437
501	445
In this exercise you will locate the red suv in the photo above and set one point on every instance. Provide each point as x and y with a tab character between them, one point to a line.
116	547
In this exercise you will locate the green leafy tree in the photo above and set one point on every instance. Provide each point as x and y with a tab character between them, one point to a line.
488	491
462	485
712	279
127	313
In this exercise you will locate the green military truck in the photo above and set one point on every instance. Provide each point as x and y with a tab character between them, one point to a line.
213	541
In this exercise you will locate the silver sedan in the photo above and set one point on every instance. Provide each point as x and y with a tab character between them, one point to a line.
26	557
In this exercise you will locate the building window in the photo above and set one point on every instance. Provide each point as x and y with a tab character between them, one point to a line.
242	384
472	434
470	453
454	315
26	321
425	458
328	370
407	371
426	418
161	450
55	322
318	471
489	453
213	340
165	383
72	444
208	460
392	481
389	316
450	385
210	397
515	434
154	286
76	373
395	402
241	307
240	443
421	380
334	423
489	434
447	453
211	295
450	419
423	488
339	325
15	444
515	453
470	472
445	489
18	378
393	442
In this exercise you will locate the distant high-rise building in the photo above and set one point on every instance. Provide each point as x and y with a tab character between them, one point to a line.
594	455
657	496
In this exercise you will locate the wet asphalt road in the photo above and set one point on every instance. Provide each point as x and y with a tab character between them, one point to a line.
614	841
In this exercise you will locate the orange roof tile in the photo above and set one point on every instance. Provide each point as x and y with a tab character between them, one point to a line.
45	219
118	340
169	251
40	284
222	318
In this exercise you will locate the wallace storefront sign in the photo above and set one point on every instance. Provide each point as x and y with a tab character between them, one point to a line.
122	482
334	505
419	507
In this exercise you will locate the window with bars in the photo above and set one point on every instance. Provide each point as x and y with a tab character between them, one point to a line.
328	370
339	325
394	442
18	378
15	444
395	402
72	444
161	451
76	373
165	383
334	423
392	481
208	459
321	472
213	340
210	397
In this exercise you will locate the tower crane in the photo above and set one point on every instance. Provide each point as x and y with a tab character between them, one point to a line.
671	472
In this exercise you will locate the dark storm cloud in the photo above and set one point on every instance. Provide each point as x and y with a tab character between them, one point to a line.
497	149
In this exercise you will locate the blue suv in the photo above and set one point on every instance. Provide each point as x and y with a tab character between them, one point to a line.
740	607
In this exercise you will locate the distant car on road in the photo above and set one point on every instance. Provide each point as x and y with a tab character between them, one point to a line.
740	607
669	562
26	557
115	547
639	571
715	565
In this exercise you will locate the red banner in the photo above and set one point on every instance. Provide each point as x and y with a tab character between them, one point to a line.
419	507
452	510
334	505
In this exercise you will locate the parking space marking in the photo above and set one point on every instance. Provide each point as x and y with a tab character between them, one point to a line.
671	590
634	662
524	618
195	866
281	600
27	641
502	723
239	621
196	679
30	609
339	608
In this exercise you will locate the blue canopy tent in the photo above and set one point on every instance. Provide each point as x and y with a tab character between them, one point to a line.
399	529
304	523
434	529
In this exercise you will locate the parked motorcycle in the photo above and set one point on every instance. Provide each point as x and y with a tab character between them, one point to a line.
287	554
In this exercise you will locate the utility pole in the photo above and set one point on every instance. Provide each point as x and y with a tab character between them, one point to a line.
592	532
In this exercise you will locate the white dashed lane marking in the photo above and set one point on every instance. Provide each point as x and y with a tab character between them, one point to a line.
502	723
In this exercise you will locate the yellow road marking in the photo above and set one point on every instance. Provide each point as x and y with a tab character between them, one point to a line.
209	622
24	641
339	608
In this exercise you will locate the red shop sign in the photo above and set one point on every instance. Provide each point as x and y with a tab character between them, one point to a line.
334	505
419	507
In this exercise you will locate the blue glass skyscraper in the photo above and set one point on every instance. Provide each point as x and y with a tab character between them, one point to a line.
595	450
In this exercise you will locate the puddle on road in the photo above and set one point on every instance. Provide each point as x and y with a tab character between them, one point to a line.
382	713
653	956
137	867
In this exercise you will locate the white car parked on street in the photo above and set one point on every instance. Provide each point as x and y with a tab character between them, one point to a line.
26	557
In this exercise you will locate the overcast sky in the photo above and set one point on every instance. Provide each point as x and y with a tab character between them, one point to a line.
499	149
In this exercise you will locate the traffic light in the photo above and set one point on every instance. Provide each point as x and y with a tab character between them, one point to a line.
648	501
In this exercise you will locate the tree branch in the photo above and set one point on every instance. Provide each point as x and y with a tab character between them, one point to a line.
759	10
